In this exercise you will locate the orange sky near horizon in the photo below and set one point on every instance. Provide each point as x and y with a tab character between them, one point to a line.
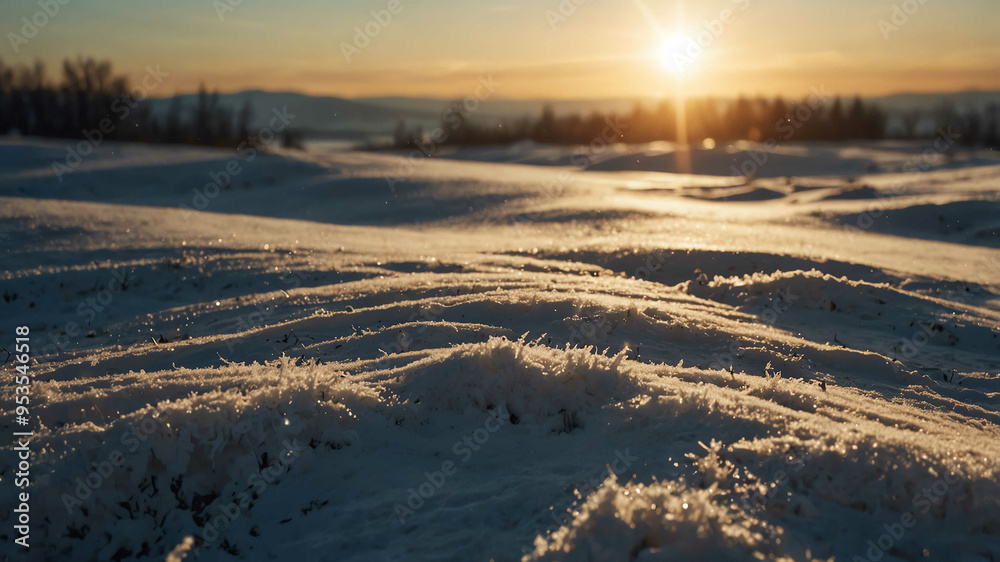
544	49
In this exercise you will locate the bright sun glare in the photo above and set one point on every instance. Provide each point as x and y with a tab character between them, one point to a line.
674	54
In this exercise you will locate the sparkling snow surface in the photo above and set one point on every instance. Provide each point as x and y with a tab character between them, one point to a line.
495	360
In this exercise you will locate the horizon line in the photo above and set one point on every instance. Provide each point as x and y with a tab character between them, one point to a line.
580	99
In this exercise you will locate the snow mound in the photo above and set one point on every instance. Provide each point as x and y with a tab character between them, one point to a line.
660	521
810	288
534	384
968	222
954	488
188	458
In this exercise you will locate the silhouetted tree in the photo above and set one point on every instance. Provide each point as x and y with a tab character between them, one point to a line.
88	93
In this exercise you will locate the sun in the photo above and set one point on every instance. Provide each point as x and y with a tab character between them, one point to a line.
676	54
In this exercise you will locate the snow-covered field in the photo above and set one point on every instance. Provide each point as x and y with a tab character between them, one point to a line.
493	360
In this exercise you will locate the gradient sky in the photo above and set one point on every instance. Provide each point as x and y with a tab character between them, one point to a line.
605	49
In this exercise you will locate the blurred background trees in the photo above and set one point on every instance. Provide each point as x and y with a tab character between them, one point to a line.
88	96
754	119
86	93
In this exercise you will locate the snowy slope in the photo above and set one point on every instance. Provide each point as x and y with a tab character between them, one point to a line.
498	361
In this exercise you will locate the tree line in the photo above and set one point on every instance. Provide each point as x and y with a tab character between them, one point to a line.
754	119
88	99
